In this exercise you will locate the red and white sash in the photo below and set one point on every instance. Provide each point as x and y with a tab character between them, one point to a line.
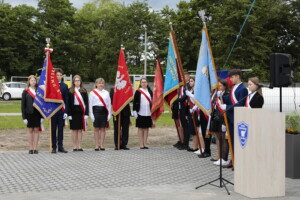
232	96
31	94
146	96
79	98
104	104
247	104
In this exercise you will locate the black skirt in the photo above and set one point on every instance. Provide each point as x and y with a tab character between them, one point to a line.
77	119
34	119
100	114
143	121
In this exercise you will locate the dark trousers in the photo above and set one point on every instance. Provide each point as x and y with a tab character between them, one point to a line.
184	124
207	139
125	120
57	124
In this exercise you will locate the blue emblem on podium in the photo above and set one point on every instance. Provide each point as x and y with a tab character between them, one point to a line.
243	133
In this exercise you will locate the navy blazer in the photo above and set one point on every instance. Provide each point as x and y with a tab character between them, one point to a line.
241	94
65	94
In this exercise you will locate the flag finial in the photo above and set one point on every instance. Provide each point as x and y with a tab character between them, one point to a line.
48	42
203	17
170	23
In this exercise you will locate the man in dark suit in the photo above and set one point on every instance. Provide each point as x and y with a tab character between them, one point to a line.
125	121
236	98
58	120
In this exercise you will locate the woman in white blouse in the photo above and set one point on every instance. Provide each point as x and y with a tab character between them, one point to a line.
142	103
100	112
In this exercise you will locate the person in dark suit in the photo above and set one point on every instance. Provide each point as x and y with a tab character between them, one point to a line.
58	120
78	111
31	116
255	99
142	104
236	98
125	122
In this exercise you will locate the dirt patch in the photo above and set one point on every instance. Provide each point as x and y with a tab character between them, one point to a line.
16	139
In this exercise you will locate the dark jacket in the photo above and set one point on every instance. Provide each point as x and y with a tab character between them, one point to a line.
126	110
257	101
71	103
137	100
27	104
65	94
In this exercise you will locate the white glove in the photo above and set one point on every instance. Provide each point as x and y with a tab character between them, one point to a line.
194	108
188	93
223	128
92	117
65	116
191	111
108	117
86	117
223	106
70	117
135	114
220	93
25	121
42	120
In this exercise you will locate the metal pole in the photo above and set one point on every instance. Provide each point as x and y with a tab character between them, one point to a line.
145	64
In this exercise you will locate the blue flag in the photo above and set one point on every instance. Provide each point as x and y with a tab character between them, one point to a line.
47	109
206	79
171	83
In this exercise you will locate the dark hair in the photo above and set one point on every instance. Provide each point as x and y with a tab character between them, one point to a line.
72	89
59	70
147	84
235	72
192	78
225	84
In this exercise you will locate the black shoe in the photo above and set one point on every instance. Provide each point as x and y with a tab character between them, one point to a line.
142	147
75	149
125	148
192	150
102	149
35	151
146	147
176	145
204	155
53	151
62	150
97	149
214	160
183	147
80	149
116	148
30	151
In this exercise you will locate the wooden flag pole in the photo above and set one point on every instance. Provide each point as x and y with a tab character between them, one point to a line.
176	125
229	138
119	130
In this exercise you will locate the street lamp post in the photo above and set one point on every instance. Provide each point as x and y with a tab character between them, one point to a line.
145	55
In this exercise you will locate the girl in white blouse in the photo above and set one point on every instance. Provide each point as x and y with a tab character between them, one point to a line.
100	112
142	104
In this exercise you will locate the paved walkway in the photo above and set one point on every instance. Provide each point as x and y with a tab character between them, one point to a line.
157	173
10	114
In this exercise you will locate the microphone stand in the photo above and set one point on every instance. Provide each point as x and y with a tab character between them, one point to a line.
220	121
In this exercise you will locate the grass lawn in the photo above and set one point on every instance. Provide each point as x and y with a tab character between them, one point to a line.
10	106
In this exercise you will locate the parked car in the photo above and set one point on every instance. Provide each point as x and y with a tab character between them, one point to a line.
12	90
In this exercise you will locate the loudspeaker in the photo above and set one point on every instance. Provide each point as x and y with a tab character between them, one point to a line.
280	69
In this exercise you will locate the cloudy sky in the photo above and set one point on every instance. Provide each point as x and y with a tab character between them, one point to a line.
155	4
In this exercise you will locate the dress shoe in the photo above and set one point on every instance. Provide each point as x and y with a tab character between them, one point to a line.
53	151
75	149
214	159
30	151
125	148
192	150
102	149
62	150
142	147
146	147
204	155
35	151
80	149
97	149
116	148
176	145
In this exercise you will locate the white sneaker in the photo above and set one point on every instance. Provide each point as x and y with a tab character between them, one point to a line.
225	162
218	162
198	152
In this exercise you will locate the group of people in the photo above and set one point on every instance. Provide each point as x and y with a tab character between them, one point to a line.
78	106
189	119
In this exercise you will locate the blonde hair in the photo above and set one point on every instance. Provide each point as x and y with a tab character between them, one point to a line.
28	82
256	81
99	80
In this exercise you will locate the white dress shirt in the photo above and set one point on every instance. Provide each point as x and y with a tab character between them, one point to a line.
144	104
95	101
75	99
32	90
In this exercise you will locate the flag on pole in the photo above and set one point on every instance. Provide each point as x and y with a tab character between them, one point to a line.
206	78
174	73
123	92
158	103
48	82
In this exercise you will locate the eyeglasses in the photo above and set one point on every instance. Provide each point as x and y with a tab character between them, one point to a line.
76	80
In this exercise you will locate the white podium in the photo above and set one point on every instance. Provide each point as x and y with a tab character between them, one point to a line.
259	152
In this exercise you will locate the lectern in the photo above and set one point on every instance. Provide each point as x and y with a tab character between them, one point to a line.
259	152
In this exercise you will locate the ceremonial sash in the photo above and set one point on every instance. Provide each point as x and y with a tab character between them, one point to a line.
82	106
232	97
104	104
247	104
145	96
31	94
